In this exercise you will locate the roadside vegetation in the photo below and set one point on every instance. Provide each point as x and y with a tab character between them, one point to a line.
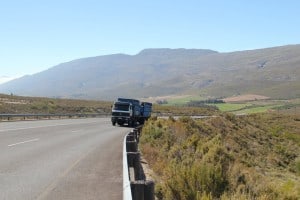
184	107
34	105
224	157
10	104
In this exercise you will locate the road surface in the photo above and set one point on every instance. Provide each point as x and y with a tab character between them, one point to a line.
61	159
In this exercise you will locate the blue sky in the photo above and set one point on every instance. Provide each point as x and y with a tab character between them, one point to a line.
38	34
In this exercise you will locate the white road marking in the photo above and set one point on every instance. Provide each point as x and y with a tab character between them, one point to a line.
33	140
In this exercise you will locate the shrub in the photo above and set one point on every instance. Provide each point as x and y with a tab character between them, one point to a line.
224	157
297	166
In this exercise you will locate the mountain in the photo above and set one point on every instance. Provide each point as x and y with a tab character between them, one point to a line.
272	72
4	79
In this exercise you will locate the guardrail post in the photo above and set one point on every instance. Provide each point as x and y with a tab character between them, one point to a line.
131	146
142	190
137	188
134	162
149	190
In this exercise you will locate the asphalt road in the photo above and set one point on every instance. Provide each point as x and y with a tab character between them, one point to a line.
61	159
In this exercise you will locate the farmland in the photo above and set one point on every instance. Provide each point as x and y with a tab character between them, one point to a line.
245	104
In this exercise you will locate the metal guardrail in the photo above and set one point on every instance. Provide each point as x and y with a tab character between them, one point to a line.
135	185
126	182
49	116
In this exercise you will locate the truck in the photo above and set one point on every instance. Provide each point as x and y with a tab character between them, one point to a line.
130	112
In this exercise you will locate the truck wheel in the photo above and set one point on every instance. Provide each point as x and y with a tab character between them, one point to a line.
114	123
133	124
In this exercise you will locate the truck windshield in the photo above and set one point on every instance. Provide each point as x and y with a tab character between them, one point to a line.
121	107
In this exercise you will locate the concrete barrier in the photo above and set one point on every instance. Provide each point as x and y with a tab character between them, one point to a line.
135	185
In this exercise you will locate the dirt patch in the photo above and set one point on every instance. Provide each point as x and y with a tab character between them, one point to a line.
246	97
169	97
12	101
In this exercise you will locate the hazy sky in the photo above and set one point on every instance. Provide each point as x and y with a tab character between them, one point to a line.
38	34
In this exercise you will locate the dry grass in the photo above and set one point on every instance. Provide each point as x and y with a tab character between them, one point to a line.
226	157
34	105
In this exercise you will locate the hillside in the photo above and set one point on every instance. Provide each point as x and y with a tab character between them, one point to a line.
272	72
224	157
35	105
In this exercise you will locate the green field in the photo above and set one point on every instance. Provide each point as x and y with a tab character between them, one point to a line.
258	109
229	107
279	106
246	108
183	101
249	107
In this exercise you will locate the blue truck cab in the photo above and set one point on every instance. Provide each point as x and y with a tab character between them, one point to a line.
130	112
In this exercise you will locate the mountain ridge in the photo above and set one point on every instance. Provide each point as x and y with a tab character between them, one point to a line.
156	72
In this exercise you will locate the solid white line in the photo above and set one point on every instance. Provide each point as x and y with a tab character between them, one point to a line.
33	140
